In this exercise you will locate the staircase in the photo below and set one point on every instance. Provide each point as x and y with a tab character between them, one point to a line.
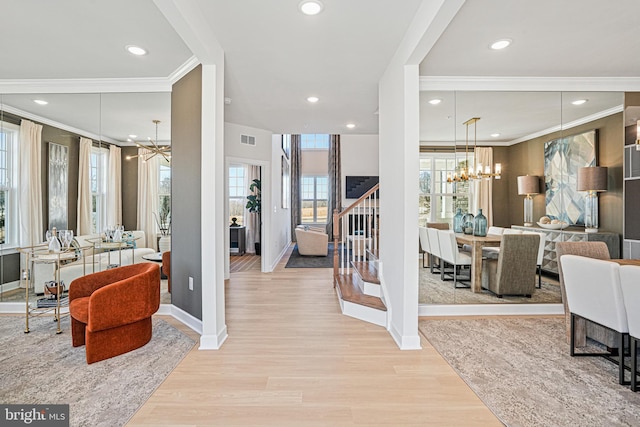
356	269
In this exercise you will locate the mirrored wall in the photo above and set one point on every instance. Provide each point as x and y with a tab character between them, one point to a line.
521	128
108	119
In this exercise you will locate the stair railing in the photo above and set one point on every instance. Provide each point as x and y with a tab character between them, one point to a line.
356	231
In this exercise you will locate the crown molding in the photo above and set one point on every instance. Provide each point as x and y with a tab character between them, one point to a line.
480	83
49	122
182	70
145	84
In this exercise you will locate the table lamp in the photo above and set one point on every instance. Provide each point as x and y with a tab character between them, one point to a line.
527	186
592	180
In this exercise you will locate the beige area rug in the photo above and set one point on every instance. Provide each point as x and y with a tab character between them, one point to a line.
434	291
43	368
521	369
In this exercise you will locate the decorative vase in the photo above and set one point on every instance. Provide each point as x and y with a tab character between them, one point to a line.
164	244
467	223
457	221
480	225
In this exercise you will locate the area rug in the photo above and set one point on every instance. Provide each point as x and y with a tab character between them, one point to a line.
521	369
299	261
432	290
43	368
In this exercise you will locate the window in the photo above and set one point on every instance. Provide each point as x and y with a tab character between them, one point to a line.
439	198
164	191
314	199
8	184
314	141
237	192
98	177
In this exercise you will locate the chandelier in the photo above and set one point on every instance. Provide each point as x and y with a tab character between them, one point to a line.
153	149
477	172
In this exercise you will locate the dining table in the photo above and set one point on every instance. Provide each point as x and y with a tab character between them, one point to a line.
477	243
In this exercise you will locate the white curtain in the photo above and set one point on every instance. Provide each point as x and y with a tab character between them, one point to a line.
148	197
483	188
30	184
84	188
114	187
252	222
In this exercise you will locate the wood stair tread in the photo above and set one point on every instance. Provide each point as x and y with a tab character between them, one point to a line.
351	292
367	270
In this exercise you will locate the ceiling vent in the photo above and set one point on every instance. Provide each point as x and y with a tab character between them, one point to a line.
247	140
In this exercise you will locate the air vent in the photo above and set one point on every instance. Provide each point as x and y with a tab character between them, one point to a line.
247	139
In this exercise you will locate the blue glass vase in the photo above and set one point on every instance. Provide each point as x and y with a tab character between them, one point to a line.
467	223
480	225
457	221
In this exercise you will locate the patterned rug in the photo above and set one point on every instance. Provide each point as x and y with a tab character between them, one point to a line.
434	291
521	369
299	261
43	368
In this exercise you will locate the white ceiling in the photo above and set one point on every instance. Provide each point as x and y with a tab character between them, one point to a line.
275	57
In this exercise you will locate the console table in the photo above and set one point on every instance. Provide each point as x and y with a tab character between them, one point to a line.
237	240
571	234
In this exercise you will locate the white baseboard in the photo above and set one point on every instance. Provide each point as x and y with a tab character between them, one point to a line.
213	342
10	286
282	253
185	318
12	308
407	342
428	310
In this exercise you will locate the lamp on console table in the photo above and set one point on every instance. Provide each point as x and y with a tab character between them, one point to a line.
527	186
592	180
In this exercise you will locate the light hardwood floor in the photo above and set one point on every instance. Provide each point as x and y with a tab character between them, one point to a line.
292	359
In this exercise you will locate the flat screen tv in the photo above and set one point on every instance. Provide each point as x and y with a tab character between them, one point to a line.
356	186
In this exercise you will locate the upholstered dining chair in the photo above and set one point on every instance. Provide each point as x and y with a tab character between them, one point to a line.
630	284
583	328
594	293
514	270
423	234
540	254
452	255
434	245
111	310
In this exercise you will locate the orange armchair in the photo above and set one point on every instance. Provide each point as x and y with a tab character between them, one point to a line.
166	268
111	310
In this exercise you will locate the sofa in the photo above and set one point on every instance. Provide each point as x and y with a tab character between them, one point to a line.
111	310
93	260
312	241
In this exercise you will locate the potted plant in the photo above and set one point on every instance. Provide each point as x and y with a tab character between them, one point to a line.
254	205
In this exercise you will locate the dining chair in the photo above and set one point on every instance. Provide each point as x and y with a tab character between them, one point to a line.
630	284
451	254
424	244
434	245
514	271
540	254
594	293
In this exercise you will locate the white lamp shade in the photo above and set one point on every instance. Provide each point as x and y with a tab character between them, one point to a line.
528	184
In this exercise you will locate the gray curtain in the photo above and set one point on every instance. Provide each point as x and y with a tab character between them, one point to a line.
296	164
335	183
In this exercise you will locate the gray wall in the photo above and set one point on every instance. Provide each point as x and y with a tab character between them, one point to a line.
186	137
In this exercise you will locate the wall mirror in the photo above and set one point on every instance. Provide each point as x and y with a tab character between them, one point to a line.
106	119
516	125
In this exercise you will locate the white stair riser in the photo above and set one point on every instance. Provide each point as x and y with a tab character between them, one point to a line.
372	289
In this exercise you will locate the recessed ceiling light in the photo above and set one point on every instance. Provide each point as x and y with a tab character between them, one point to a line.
579	101
435	101
40	101
500	44
311	7
495	135
136	50
129	140
133	136
313	99
351	125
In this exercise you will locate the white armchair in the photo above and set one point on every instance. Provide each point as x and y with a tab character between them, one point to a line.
312	241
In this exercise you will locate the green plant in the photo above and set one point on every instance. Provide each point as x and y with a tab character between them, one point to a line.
163	219
254	201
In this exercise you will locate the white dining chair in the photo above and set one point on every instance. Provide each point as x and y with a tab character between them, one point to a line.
434	244
630	284
594	293
451	254
423	234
